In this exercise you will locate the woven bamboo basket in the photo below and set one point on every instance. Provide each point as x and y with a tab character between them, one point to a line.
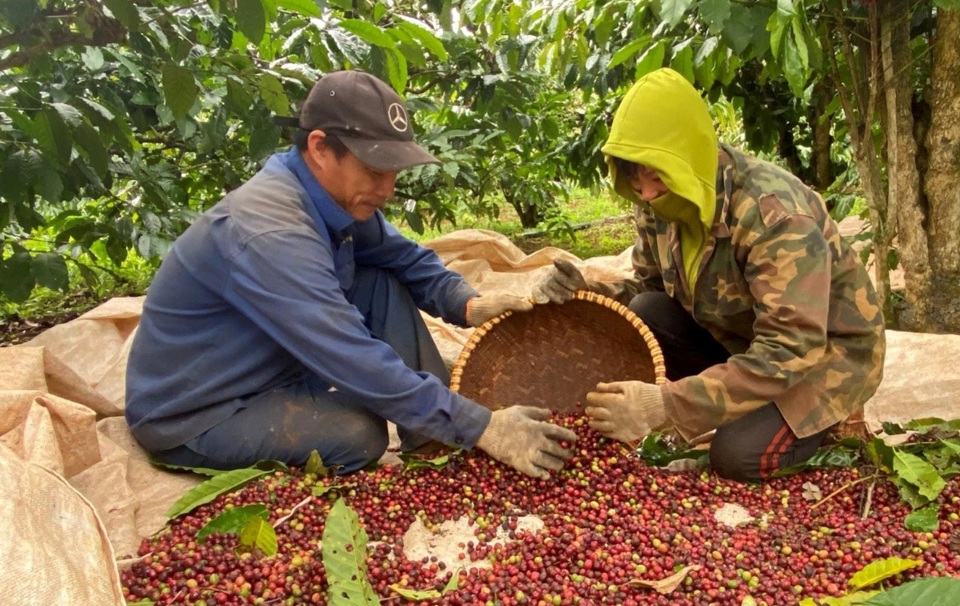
553	355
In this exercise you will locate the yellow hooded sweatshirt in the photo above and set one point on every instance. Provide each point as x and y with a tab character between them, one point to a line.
663	124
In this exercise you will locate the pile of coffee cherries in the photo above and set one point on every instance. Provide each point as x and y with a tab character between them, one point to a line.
612	526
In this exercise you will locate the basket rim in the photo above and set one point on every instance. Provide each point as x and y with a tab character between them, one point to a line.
659	368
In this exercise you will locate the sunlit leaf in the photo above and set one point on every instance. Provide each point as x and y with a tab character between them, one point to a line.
179	89
251	20
232	520
944	591
911	468
874	572
260	535
210	489
344	552
368	32
925	519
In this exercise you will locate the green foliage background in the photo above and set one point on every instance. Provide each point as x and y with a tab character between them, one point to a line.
120	121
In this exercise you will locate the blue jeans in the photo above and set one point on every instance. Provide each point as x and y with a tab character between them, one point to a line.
287	423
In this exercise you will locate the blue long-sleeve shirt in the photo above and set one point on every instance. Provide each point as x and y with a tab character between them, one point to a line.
251	297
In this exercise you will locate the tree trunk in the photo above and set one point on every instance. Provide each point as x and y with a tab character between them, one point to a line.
934	295
822	137
906	206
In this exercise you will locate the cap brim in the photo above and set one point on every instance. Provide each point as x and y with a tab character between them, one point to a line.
388	155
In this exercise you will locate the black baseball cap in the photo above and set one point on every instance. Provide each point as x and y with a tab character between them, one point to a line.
367	115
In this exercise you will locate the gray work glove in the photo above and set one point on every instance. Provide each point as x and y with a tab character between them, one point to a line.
626	410
560	284
521	437
485	307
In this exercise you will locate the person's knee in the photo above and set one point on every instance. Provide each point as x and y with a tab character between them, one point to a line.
359	442
650	305
731	462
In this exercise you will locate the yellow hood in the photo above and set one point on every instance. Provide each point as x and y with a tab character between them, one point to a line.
664	124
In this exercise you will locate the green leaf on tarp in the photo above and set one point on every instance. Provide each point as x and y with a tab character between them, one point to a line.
208	490
835	455
50	270
414	462
344	553
925	519
204	471
179	89
851	599
416	595
943	591
251	20
260	535
926	424
892	429
656	450
232	520
880	570
880	454
315	465
914	470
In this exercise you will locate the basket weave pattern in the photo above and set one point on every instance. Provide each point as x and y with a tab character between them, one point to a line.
553	355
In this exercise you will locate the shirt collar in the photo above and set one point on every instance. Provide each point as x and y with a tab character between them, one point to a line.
337	220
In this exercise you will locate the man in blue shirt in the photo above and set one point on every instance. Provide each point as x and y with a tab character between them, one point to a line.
286	318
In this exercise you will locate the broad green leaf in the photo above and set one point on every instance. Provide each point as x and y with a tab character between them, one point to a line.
672	11
414	462
953	5
627	52
90	142
926	424
714	13
16	280
126	13
892	429
273	95
416	595
880	454
210	489
238	99
315	465
179	89
851	599
203	471
786	9
651	60
50	270
344	553
263	140
682	60
368	32
232	520
911	468
251	20
925	519
426	38
396	68
19	12
878	571
259	534
944	591
57	140
793	67
307	8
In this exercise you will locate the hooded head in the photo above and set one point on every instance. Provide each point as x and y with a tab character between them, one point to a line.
663	124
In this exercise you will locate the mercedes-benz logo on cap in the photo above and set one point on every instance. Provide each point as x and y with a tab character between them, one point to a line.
397	116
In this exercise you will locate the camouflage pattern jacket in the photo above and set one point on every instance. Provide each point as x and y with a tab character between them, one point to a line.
780	288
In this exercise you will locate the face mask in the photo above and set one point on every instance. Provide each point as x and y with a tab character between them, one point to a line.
675	208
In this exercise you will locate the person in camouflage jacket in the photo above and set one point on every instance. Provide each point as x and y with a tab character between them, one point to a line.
769	324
